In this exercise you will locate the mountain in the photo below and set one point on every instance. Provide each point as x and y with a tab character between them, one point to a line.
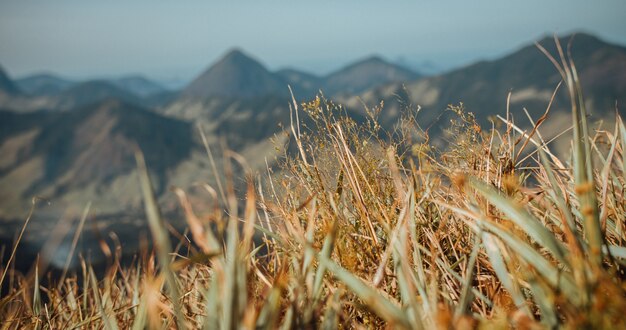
529	75
302	83
74	96
366	74
139	85
43	84
7	86
90	92
49	84
72	158
354	78
235	75
87	154
424	67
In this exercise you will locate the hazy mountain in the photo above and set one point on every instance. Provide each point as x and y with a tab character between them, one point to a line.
366	74
139	85
43	84
7	86
424	67
235	75
354	78
530	76
303	83
91	92
160	100
63	99
86	154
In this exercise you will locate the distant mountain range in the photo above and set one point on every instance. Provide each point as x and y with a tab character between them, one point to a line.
44	84
47	84
71	142
235	75
527	73
239	75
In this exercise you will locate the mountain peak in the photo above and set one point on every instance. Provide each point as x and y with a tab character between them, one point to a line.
367	73
577	37
236	75
236	54
372	59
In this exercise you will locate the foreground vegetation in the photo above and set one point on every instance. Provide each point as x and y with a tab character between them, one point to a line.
363	228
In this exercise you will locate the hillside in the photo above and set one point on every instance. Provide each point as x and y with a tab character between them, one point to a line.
530	76
87	154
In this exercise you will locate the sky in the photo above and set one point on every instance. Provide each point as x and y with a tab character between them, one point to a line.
176	40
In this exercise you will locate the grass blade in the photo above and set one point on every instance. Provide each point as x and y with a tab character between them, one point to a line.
384	308
159	234
524	220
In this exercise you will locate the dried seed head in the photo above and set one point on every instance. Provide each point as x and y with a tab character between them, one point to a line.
584	188
459	179
510	183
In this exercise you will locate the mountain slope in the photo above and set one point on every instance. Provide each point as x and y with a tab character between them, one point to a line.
235	75
87	154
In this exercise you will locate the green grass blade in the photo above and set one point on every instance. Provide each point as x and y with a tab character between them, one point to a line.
555	193
385	309
499	266
524	220
466	292
159	234
554	276
108	323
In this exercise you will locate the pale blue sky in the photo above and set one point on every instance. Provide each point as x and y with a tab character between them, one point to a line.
178	39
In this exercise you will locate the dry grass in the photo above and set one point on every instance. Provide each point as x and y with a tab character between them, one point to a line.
371	229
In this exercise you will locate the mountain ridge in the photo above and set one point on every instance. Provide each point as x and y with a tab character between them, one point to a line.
526	72
366	73
43	84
